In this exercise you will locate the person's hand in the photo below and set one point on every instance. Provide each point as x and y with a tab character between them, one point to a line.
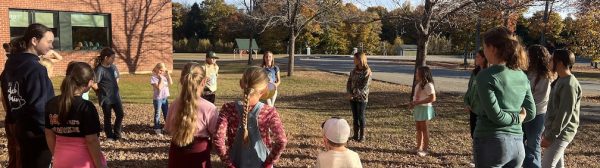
411	105
545	143
522	115
467	109
349	96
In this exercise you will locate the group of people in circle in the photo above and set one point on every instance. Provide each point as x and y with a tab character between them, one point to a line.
519	101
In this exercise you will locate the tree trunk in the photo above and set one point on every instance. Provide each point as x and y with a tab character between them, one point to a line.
250	47
292	50
422	43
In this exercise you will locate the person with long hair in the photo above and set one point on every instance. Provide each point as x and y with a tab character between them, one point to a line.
471	99
357	87
107	87
26	89
73	124
505	100
562	118
160	81
268	64
191	121
423	108
250	133
540	76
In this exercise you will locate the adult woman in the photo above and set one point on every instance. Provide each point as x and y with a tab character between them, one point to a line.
506	102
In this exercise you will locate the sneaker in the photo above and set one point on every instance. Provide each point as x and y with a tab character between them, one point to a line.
422	153
158	132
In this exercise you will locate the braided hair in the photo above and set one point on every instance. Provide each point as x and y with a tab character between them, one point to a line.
254	81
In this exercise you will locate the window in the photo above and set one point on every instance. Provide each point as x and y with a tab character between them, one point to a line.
72	31
20	20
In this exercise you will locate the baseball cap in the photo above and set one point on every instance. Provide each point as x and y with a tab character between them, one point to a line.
336	130
211	55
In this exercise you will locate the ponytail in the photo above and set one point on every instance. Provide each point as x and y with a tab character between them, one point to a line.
36	30
508	46
106	52
78	76
186	118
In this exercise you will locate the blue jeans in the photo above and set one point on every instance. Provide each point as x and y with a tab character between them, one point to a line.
501	150
533	137
160	104
358	119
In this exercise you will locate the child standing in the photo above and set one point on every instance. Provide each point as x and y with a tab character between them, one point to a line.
160	81
273	72
107	78
243	137
423	109
72	124
191	121
336	132
212	72
562	118
358	89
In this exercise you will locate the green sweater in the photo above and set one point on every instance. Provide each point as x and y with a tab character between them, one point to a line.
471	99
562	118
502	92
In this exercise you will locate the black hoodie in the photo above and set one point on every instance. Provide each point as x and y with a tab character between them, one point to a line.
26	89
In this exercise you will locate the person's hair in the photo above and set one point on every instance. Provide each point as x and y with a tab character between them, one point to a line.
539	63
362	58
508	47
78	76
333	144
480	67
6	47
106	52
254	81
186	117
264	62
425	75
566	57
34	30
159	66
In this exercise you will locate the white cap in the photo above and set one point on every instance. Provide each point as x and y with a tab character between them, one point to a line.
336	130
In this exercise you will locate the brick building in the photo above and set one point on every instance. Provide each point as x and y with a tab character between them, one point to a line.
83	27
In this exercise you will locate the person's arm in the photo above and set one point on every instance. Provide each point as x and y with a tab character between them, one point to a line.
349	83
489	103
93	146
280	140
529	106
363	85
38	90
213	118
97	79
430	98
53	56
278	78
564	114
221	135
156	82
467	98
50	139
169	79
117	74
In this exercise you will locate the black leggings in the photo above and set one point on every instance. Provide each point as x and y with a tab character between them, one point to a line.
472	122
108	129
358	117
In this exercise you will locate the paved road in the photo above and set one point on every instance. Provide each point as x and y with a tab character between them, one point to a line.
446	80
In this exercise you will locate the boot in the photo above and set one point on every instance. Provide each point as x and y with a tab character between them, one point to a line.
361	137
356	135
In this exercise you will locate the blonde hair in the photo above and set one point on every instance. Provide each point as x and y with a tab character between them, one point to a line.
254	81
362	58
185	118
159	66
264	62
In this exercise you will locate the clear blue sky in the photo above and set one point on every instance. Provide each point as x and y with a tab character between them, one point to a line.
390	4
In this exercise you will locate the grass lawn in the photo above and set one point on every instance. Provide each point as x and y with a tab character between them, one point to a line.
304	102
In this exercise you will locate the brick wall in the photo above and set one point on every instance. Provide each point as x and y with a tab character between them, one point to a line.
156	40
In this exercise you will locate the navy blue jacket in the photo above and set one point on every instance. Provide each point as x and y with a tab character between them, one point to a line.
26	89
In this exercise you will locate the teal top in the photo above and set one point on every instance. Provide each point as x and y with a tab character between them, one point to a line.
562	118
471	99
502	92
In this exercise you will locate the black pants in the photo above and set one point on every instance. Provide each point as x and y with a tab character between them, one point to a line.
472	122
109	131
358	118
208	95
34	150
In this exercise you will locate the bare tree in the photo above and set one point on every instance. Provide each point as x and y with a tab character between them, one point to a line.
297	14
259	17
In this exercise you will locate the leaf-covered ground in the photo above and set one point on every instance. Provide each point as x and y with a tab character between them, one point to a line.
306	100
